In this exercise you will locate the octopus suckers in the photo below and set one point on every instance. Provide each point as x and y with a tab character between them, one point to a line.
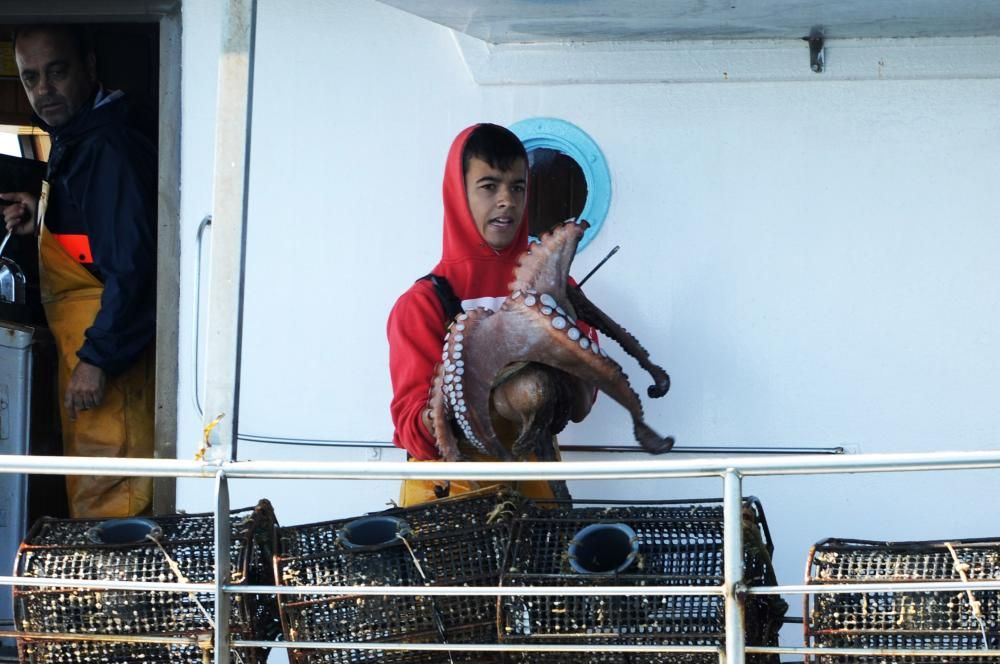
546	310
548	300
530	300
573	333
584	343
559	322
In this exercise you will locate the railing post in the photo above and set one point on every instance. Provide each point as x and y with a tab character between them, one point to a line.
222	564
733	565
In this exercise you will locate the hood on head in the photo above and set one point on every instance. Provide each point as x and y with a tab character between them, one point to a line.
469	264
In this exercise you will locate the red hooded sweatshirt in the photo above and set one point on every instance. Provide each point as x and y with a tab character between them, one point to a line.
478	275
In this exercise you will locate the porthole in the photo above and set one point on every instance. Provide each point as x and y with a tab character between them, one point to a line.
568	166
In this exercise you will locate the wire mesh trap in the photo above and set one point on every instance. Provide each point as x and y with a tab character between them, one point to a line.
83	625
945	620
664	543
456	541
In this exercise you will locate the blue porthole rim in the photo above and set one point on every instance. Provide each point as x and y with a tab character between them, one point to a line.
566	137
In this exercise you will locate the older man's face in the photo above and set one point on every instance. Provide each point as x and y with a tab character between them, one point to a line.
57	80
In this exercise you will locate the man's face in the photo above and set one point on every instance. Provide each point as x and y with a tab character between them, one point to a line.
496	200
58	82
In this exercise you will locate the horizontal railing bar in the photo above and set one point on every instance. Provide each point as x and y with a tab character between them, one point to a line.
885	586
880	652
478	647
479	591
502	591
67	465
416	591
644	469
100	584
471	647
106	638
587	647
647	468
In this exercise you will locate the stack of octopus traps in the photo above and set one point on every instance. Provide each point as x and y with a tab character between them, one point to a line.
457	541
660	543
91	625
963	620
496	538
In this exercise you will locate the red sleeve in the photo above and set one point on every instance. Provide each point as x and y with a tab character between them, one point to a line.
416	332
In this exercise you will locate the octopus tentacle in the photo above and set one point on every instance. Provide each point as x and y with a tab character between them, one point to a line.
444	438
545	265
451	400
589	312
576	355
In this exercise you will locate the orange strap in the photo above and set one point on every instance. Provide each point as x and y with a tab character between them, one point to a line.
77	246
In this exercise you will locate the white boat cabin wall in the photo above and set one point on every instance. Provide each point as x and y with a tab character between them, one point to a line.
810	256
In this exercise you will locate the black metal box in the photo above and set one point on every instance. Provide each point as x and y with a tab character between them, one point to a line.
77	625
945	620
666	543
456	541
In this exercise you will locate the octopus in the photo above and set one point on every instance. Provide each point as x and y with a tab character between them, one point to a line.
526	359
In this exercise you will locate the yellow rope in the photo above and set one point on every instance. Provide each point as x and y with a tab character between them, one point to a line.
206	434
977	609
175	567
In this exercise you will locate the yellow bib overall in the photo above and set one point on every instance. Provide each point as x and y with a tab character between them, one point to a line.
416	492
122	426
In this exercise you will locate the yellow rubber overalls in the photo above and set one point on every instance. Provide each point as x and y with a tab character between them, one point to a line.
122	426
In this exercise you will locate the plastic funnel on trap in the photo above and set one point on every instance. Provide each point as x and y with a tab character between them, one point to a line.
603	548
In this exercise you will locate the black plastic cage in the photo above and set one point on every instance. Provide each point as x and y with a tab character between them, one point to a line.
940	620
663	543
456	541
80	625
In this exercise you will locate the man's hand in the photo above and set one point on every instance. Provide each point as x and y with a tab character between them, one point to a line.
85	390
19	212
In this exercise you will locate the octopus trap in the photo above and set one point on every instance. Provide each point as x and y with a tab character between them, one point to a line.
456	541
939	620
83	625
665	543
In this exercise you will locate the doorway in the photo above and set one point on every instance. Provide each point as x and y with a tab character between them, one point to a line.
138	51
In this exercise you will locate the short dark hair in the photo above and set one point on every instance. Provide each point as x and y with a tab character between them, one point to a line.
77	33
496	145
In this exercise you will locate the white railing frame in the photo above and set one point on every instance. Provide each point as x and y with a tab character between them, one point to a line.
730	470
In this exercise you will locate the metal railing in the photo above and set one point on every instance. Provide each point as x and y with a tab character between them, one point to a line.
730	471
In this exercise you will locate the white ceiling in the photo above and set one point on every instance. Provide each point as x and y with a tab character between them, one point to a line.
532	21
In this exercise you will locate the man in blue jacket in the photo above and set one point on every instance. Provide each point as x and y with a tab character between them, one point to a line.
96	226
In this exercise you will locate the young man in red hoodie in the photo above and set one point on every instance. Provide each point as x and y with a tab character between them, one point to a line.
485	232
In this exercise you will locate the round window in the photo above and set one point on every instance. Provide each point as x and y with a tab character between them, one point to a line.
568	176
